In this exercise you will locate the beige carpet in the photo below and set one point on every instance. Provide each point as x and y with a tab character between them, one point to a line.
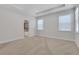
39	46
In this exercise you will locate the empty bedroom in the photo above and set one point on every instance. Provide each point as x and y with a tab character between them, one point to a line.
39	29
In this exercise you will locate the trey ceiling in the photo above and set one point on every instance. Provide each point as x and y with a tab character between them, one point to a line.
28	9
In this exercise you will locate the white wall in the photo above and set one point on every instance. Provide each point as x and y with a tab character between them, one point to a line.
51	26
77	39
11	26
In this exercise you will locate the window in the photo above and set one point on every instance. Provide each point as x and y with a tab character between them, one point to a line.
40	24
65	23
76	17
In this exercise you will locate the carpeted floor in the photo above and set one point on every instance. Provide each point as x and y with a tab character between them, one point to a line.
39	46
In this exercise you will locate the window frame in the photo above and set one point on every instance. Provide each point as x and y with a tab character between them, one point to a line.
76	20
60	30
38	25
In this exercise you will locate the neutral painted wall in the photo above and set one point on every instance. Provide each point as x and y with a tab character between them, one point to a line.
51	26
11	26
77	39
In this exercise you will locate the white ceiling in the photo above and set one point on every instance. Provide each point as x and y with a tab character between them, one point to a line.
29	9
35	7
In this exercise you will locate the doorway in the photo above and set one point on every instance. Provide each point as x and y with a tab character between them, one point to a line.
26	27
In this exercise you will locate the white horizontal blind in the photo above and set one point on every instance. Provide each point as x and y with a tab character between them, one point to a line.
65	23
40	24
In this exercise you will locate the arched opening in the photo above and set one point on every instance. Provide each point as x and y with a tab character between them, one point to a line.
26	26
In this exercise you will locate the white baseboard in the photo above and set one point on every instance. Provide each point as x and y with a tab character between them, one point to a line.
56	37
6	41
